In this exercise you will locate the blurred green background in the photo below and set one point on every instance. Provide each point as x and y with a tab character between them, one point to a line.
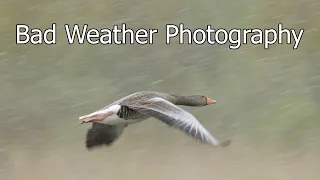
268	100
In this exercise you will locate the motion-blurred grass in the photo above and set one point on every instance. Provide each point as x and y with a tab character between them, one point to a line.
268	100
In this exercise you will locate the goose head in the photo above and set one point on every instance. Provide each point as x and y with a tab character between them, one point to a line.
101	115
193	100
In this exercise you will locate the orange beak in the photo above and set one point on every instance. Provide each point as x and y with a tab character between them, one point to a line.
211	101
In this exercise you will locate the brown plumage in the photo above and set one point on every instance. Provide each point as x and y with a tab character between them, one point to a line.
110	121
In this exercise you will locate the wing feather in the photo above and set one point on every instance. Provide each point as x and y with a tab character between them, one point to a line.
102	134
176	117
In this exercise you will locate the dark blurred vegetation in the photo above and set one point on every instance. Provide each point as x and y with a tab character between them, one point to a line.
268	100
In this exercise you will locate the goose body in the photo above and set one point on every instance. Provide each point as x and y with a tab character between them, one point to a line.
109	122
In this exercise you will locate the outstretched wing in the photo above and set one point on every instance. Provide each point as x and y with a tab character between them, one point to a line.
176	117
102	134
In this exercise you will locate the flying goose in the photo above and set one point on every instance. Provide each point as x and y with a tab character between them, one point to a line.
109	122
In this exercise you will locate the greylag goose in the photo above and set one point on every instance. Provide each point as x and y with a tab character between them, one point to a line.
109	122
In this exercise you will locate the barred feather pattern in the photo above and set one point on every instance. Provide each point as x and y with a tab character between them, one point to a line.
145	104
126	113
176	117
